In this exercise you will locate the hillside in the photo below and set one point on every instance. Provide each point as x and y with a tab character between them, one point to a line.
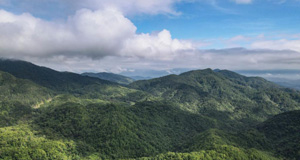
70	83
283	131
121	131
223	94
18	97
23	91
200	114
47	77
110	77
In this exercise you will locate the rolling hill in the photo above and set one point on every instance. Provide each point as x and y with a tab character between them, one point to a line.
223	94
18	97
70	83
47	77
202	114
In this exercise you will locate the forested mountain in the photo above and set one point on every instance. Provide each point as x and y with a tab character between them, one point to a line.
47	77
203	114
69	83
110	77
283	131
223	93
24	91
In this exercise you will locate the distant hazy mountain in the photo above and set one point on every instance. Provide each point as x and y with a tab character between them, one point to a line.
140	78
142	74
295	84
286	78
110	77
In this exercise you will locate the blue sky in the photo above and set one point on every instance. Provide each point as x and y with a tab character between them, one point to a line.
197	20
124	36
203	21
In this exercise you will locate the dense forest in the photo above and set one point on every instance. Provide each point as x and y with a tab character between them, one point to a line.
201	114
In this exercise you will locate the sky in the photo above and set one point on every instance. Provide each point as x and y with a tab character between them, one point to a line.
129	36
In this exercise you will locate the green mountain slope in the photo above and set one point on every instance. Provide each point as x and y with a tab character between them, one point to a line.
19	142
223	93
144	129
110	77
71	83
18	97
24	91
283	131
216	144
204	114
47	77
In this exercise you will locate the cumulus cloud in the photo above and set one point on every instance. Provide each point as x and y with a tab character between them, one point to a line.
156	45
102	38
93	34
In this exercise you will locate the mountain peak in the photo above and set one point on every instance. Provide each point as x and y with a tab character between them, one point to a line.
45	76
203	71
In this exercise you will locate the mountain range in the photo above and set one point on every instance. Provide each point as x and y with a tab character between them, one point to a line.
200	114
110	77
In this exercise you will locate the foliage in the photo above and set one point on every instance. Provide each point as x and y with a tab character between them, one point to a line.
20	142
23	91
204	114
284	132
12	113
218	153
121	131
111	77
249	100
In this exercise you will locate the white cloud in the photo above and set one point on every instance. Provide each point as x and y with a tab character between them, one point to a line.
69	6
232	59
93	34
243	1
282	44
133	6
156	46
238	38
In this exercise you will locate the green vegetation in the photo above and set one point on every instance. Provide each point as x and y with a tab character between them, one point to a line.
223	94
204	114
284	132
20	142
219	153
23	91
144	129
110	77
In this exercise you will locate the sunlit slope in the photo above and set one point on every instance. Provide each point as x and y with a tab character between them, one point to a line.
71	83
223	93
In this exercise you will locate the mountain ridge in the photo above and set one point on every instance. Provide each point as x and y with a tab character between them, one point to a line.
200	114
110	77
